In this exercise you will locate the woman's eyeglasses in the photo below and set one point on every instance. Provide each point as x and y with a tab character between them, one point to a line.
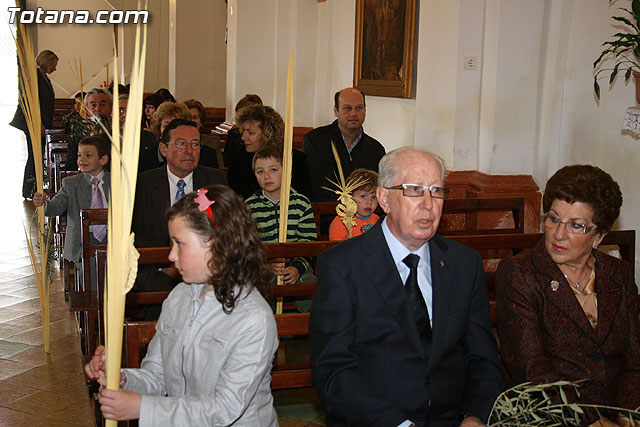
552	221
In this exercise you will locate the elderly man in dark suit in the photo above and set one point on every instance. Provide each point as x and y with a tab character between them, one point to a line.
400	328
158	189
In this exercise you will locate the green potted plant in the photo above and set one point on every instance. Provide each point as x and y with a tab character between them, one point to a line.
624	49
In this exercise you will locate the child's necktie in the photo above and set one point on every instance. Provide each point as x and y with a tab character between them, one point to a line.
99	231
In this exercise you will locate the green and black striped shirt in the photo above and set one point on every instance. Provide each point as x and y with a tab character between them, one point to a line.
301	226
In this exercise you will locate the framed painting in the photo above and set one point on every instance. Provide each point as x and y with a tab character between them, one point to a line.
384	47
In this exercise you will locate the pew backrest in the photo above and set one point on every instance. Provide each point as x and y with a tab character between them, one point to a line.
90	217
292	375
56	152
464	211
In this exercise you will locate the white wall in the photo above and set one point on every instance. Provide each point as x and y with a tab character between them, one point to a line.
590	131
198	59
93	44
529	109
201	58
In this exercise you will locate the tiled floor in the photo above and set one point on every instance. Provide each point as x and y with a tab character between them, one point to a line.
39	389
36	389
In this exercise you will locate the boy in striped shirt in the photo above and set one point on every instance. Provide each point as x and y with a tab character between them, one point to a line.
265	208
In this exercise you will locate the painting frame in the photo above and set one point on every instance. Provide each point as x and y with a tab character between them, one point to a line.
376	69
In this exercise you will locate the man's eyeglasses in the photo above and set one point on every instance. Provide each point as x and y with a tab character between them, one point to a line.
181	145
417	190
552	221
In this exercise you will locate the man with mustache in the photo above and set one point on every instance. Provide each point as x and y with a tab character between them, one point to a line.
400	333
158	189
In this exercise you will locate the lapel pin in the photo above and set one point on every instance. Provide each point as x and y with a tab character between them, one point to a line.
442	264
554	285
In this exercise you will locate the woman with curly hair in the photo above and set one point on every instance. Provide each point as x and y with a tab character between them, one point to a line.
565	310
262	126
209	362
166	112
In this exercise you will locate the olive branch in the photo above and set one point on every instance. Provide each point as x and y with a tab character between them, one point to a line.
529	404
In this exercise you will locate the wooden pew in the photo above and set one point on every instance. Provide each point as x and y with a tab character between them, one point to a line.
61	107
138	335
485	244
222	130
471	208
298	135
292	374
56	147
286	373
468	208
81	297
215	116
95	299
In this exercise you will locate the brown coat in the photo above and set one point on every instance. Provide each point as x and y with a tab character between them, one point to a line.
545	335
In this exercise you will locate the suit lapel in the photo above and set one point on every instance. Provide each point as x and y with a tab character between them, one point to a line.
106	187
441	290
164	201
380	270
198	180
609	296
84	190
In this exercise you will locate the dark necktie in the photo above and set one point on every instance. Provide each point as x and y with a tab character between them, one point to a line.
180	193
416	301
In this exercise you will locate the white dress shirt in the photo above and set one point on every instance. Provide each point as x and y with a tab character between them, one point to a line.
399	252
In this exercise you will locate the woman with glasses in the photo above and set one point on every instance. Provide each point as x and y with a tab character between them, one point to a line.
567	311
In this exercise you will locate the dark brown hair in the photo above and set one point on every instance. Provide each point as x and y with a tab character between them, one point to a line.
165	94
586	184
237	253
369	178
103	147
269	120
153	99
268	152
